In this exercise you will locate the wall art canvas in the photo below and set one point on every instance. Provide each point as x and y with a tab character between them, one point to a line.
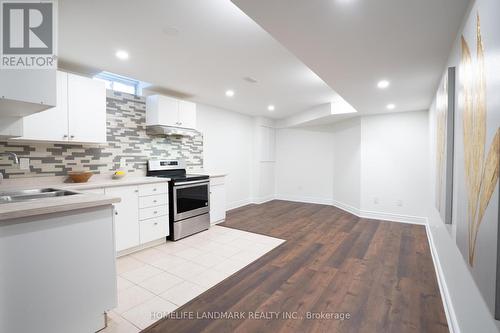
478	149
445	111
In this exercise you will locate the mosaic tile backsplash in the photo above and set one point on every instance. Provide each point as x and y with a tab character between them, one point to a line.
128	146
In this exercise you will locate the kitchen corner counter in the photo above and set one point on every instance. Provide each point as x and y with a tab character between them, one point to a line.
108	182
17	210
97	181
211	174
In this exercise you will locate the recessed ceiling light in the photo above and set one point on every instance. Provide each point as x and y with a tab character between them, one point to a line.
171	31
229	93
250	79
270	107
383	84
122	55
391	106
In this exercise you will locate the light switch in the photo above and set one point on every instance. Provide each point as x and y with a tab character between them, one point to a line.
24	163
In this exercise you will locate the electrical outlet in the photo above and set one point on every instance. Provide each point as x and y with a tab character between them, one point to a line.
399	203
24	163
375	201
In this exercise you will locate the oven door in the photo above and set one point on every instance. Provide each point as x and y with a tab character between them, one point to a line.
191	199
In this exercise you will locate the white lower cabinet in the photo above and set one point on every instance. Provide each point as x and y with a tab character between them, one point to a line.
152	212
142	214
126	216
217	200
150	229
153	200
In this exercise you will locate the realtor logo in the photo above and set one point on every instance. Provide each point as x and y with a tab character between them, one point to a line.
28	34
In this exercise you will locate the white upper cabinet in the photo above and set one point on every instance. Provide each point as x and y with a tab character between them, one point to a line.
11	127
87	109
168	111
162	110
79	116
26	91
187	114
51	124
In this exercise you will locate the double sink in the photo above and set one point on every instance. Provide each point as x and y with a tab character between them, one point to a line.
28	195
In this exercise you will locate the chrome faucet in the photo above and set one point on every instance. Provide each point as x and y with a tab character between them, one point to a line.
13	155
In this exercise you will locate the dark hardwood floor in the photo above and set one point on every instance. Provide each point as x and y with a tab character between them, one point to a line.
381	273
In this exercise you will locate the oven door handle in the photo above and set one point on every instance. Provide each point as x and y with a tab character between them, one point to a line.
192	182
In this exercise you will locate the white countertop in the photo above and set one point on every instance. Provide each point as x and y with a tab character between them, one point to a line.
211	174
96	181
15	210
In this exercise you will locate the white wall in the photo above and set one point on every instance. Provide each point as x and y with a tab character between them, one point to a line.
228	147
468	310
373	166
241	147
347	163
304	164
394	168
264	160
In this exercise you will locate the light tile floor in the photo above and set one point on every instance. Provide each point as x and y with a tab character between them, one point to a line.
156	281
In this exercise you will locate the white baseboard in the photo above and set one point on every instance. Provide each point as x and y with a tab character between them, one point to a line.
217	222
451	317
262	200
393	217
241	203
237	204
313	200
327	201
380	215
347	208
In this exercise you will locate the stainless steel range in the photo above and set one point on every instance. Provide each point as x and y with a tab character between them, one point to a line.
189	203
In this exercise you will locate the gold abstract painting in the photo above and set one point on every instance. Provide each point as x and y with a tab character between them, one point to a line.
481	159
441	114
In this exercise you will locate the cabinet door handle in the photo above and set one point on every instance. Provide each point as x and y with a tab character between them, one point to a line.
116	212
72	136
136	191
65	136
155	212
154	201
156	223
154	189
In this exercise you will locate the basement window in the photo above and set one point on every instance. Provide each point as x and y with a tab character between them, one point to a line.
118	83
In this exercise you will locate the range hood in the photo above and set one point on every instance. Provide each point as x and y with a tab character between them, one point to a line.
170	131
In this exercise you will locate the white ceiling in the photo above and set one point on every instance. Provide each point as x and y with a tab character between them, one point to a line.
352	44
215	48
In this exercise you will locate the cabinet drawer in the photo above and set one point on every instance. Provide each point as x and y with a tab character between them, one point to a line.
153	200
152	189
153	229
147	213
